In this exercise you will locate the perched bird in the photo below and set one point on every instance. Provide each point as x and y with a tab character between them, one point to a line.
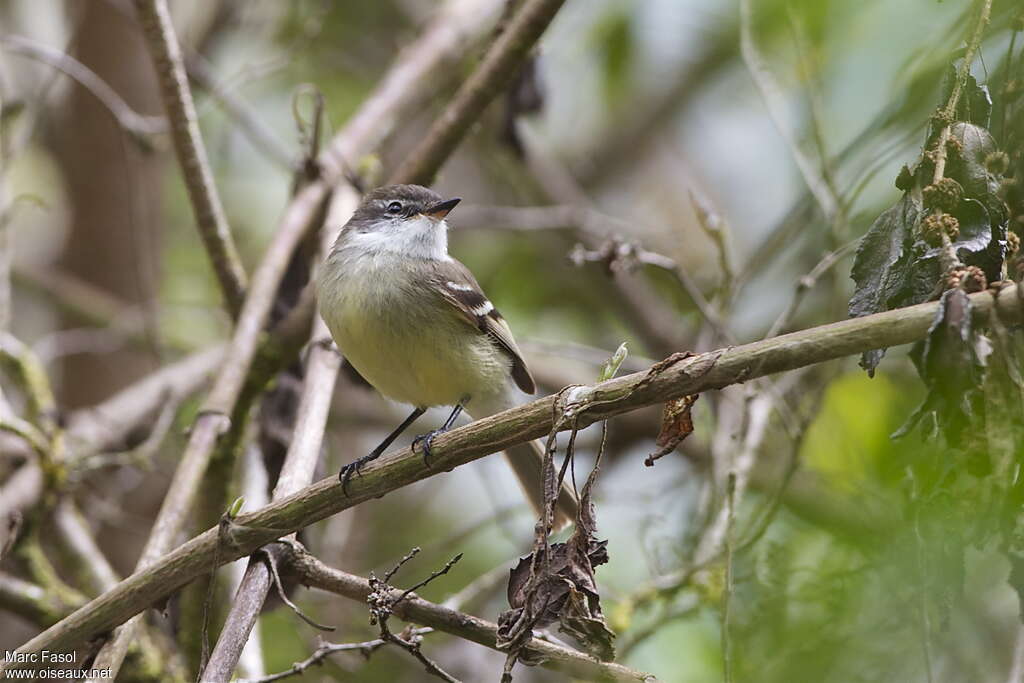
415	324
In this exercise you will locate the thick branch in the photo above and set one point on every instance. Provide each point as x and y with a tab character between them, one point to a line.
314	573
155	20
672	378
496	71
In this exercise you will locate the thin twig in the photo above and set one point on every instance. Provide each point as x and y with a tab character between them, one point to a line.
242	115
775	101
417	610
384	598
806	283
433	575
401	563
717	229
325	650
96	307
495	72
669	379
281	593
155	20
140	127
727	590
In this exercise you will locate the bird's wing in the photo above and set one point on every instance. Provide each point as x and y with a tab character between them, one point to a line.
459	288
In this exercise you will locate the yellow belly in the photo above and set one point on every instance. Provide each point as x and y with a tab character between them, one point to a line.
409	344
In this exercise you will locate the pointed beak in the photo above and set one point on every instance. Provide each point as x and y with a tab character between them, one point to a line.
441	209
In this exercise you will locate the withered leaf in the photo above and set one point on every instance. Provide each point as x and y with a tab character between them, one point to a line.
562	568
676	425
556	583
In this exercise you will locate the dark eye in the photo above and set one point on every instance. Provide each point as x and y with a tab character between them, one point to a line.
395	207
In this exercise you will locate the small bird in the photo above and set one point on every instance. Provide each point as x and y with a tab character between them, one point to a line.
415	324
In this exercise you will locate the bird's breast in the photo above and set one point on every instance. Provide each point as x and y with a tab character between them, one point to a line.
402	337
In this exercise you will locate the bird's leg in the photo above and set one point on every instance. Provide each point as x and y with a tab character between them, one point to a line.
353	467
425	439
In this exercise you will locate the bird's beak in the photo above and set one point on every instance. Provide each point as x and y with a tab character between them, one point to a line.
441	209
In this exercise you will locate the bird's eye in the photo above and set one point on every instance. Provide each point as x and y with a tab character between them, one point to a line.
395	207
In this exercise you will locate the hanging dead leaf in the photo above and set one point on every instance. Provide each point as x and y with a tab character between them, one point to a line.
676	425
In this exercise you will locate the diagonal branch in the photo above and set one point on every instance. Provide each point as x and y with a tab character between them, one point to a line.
155	20
404	87
140	127
406	82
297	472
676	376
775	101
499	66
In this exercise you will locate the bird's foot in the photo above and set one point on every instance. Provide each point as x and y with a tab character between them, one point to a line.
424	440
355	467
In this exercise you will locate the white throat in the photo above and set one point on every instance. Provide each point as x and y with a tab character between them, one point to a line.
420	237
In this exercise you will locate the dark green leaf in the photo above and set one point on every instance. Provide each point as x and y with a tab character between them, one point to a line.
880	267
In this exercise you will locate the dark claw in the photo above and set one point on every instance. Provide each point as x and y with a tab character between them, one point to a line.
425	440
355	467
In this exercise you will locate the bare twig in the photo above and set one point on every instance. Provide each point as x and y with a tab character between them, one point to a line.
806	283
727	590
669	379
774	99
949	110
140	127
495	72
417	610
325	650
96	307
241	113
384	598
717	229
155	20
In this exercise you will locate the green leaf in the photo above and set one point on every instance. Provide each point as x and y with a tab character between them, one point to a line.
236	507
611	367
881	269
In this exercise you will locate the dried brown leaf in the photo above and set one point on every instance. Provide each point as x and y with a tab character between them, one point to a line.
676	425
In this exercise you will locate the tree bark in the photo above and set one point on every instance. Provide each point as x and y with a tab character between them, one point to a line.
113	192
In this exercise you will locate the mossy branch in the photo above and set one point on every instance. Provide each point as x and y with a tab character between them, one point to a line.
673	377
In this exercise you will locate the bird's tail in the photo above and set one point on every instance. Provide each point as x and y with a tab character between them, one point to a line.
527	462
